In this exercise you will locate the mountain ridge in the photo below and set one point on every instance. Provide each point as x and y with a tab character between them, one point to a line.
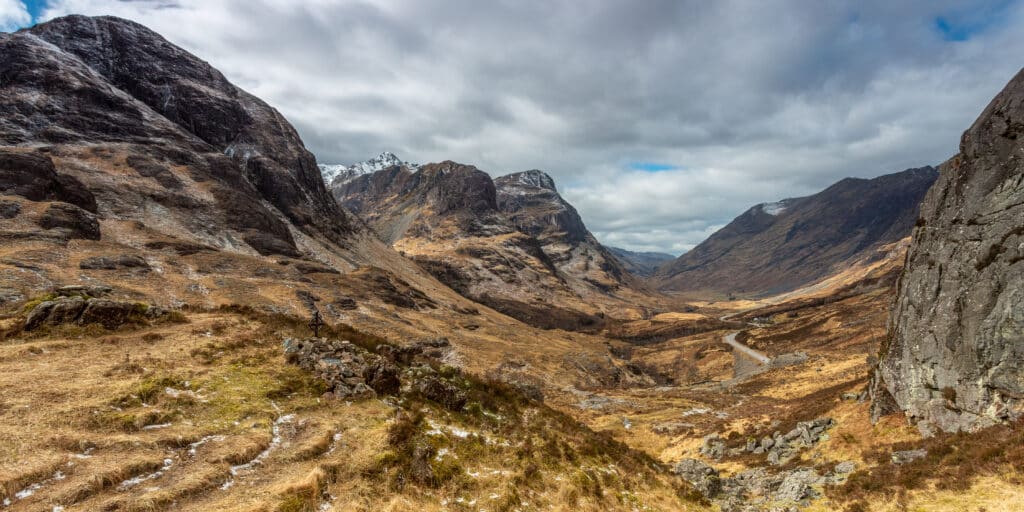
777	247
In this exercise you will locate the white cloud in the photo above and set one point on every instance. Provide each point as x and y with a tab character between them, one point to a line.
751	101
13	15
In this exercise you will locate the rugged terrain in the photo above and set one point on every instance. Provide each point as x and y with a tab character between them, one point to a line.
779	247
955	357
167	237
512	243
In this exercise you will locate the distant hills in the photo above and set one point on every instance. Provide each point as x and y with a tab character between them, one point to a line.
778	247
643	264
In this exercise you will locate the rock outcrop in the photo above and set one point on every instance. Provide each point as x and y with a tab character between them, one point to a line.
512	244
778	247
533	205
759	489
955	357
82	305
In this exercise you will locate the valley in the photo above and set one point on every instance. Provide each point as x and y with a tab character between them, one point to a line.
167	239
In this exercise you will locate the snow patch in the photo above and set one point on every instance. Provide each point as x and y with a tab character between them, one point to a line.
339	173
132	482
275	442
695	411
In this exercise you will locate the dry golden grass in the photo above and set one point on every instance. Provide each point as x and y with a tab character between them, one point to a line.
207	395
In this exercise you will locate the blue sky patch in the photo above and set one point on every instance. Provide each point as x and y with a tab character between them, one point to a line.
651	167
964	25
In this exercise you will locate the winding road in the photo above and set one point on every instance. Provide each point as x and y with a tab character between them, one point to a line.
730	339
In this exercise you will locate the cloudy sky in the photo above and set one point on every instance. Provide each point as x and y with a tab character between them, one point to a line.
659	120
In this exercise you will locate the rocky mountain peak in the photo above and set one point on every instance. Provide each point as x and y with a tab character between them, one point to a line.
533	178
342	173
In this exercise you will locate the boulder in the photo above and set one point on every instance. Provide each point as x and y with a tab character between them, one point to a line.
9	209
442	392
704	478
71	221
108	313
54	312
713	447
123	261
908	456
349	371
383	377
797	485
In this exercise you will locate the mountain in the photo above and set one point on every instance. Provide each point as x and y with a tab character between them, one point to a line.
343	173
532	203
512	244
129	163
643	264
955	353
159	136
133	169
778	247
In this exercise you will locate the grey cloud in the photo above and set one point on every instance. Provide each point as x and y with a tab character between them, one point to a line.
752	101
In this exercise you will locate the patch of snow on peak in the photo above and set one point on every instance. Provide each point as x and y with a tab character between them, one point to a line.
539	179
339	173
773	208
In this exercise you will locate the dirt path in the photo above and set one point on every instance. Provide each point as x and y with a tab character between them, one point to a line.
730	339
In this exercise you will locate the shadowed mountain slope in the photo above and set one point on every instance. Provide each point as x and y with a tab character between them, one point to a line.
777	247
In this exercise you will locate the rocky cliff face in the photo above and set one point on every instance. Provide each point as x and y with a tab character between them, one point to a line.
117	146
955	358
532	203
135	119
512	244
778	247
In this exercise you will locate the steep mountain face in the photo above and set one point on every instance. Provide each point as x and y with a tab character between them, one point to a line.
136	120
643	264
512	243
532	203
343	173
777	247
955	357
428	203
117	146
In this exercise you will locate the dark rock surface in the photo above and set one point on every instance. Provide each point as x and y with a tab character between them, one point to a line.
512	244
85	310
399	203
123	261
9	209
783	246
32	175
138	127
955	357
533	205
71	221
442	392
